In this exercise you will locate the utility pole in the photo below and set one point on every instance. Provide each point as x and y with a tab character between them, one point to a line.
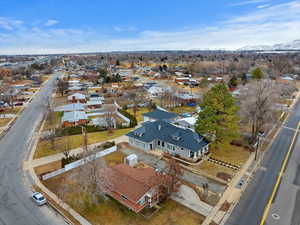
256	147
85	138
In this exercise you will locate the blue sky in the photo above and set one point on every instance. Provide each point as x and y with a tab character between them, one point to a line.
59	26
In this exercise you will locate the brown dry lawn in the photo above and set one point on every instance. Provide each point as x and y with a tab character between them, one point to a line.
44	148
56	118
139	113
48	167
184	109
14	110
213	169
114	158
231	154
4	121
111	212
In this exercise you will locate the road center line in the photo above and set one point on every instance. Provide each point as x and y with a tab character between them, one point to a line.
267	209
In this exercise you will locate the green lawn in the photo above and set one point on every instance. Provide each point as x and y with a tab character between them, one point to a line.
44	148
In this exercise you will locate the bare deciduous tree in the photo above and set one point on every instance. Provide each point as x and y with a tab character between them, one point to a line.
257	104
279	64
109	118
91	178
173	170
62	86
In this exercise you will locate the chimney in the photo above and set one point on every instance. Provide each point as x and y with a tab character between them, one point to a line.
159	126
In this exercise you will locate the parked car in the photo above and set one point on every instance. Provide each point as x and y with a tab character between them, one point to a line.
38	198
185	115
191	104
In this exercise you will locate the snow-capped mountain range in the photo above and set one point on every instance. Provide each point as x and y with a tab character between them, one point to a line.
293	45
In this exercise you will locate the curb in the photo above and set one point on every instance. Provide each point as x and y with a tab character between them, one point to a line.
43	188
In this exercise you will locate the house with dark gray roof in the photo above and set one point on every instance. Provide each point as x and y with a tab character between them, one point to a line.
164	136
159	114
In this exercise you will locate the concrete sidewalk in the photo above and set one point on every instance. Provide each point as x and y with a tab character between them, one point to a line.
190	199
231	195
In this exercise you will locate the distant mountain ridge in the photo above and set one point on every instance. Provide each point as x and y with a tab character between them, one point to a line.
293	45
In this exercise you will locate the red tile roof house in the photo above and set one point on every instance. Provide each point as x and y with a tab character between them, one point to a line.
135	188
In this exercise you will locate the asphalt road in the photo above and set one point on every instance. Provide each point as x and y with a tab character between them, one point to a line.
16	207
288	195
250	209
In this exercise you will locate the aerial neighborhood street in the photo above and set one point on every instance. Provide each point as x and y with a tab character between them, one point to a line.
16	206
150	113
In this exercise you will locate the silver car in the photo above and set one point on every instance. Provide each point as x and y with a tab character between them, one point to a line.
38	198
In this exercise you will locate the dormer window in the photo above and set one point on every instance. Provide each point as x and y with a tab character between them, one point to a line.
176	136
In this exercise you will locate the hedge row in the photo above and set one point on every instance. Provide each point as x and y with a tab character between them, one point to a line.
77	130
133	121
72	158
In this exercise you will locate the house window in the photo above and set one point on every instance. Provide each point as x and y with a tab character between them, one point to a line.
182	149
192	154
123	196
158	142
163	144
173	148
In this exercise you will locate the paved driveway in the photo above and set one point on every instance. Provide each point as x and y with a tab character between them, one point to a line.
189	198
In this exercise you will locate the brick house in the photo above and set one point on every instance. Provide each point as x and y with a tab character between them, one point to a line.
135	188
77	98
74	118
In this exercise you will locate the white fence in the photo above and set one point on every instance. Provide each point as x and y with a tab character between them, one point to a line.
80	162
127	121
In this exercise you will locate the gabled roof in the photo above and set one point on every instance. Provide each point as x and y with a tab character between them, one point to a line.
74	116
94	102
164	131
70	107
131	182
77	96
160	114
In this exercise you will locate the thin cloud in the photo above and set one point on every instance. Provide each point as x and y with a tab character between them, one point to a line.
265	26
263	6
50	23
124	29
9	24
248	2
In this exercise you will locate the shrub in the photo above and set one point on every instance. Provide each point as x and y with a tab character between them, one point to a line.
107	144
77	130
133	121
69	159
